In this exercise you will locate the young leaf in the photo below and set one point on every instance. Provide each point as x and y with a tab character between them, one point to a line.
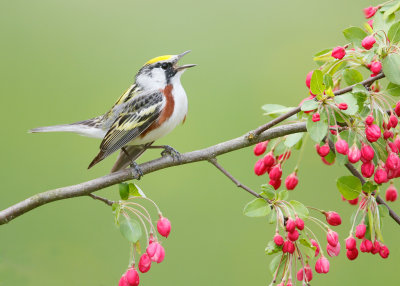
309	105
272	217
393	89
383	24
317	82
383	211
300	209
130	229
133	190
328	82
292	139
317	130
354	35
283	195
351	102
391	10
368	187
391	68
352	76
272	248
124	191
278	264
349	187
274	110
394	33
257	208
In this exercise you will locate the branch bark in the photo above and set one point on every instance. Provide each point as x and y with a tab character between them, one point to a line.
87	188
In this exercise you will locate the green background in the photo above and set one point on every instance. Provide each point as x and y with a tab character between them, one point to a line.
64	61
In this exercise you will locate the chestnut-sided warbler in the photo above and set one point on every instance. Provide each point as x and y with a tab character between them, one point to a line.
151	108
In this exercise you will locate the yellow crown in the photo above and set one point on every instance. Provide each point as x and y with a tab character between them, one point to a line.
158	59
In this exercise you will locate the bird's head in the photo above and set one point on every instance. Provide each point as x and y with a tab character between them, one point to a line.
160	71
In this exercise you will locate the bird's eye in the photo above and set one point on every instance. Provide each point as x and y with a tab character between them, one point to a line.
164	66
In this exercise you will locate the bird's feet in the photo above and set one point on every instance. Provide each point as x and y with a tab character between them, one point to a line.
138	171
169	151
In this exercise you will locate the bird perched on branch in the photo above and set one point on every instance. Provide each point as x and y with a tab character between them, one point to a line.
151	108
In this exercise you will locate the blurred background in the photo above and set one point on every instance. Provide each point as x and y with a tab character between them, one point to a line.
64	61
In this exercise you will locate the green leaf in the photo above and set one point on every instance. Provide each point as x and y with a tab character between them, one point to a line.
269	191
300	209
331	157
317	130
349	187
278	263
130	229
391	10
274	110
391	68
124	191
368	187
257	208
383	211
350	100
309	105
292	139
317	82
394	33
308	247
283	195
133	190
272	248
393	89
272	218
328	82
352	76
354	35
383	24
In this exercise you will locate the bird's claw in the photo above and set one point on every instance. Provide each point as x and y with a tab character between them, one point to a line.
137	169
169	151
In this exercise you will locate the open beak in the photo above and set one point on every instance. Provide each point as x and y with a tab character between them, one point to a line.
179	68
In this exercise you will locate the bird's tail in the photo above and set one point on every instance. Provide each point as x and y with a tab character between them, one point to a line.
89	128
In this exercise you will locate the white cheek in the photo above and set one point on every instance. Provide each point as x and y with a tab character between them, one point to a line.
156	80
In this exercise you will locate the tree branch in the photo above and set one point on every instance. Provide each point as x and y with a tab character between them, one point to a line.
88	187
104	200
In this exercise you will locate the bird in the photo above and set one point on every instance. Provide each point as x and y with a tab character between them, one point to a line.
150	109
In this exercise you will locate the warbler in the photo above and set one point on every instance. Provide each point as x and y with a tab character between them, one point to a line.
151	108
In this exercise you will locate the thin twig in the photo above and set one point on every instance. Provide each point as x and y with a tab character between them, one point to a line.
104	200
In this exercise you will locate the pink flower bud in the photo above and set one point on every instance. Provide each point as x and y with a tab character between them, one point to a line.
308	79
352	254
368	42
299	223
397	108
376	67
338	53
132	277
361	230
392	161
275	183
123	281
384	251
326	162
260	148
260	168
393	120
322	265
367	153
342	106
276	172
373	132
307	270
269	159
163	226
333	250
288	247
367	169
397	142
370	11
278	239
354	154
156	252
342	147
291	181
369	120
391	193
144	263
371	23
351	243
393	147
332	237
380	176
293	236
316	117
323	150
366	245
333	218
284	156
387	134
375	247
314	243
353	202
290	225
